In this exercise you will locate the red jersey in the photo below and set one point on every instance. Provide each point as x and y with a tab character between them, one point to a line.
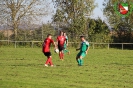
46	44
61	40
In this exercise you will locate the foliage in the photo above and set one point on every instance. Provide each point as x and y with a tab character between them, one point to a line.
98	31
73	13
122	25
2	37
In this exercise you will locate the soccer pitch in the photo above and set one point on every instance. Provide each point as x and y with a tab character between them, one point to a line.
24	68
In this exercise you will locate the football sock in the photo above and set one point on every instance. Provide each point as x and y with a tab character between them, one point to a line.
81	61
50	61
65	51
60	55
78	61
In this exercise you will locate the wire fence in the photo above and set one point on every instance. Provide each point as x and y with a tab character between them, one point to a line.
34	44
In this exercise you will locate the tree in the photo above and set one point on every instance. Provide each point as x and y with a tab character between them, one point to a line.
73	13
98	31
122	25
16	11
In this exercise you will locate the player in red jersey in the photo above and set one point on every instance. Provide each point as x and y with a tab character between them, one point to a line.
61	40
46	49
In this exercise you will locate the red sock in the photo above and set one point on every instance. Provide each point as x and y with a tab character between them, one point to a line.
49	60
60	55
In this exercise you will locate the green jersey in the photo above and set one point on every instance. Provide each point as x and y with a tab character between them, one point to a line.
84	46
66	39
65	44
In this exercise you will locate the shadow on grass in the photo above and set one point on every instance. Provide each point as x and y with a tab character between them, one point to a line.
24	65
118	64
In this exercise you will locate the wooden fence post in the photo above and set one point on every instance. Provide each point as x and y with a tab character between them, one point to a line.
32	44
93	45
15	44
122	46
108	46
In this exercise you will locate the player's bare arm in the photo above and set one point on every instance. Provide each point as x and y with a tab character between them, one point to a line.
55	45
87	50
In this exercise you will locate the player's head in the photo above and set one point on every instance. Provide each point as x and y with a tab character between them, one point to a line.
64	34
49	36
61	33
82	38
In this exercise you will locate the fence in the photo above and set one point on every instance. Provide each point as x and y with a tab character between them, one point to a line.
39	43
108	44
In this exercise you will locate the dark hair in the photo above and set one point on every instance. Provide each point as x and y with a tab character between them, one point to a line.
61	32
49	35
82	36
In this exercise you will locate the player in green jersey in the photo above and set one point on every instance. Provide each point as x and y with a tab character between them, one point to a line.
66	44
83	50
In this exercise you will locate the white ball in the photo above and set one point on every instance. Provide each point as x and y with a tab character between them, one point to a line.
56	51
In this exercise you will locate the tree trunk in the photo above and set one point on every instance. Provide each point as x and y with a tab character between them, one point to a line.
15	34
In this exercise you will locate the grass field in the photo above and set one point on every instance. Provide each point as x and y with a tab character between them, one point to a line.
24	68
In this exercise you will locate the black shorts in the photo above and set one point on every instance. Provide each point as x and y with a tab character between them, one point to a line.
60	47
47	54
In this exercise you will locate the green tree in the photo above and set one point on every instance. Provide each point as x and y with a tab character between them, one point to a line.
122	25
73	14
98	31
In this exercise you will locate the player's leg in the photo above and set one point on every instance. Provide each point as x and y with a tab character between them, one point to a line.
78	58
46	63
60	53
49	59
65	49
81	58
80	61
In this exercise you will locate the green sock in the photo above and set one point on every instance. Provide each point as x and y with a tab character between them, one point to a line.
81	61
65	51
78	61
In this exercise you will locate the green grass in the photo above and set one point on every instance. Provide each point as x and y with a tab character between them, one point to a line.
24	68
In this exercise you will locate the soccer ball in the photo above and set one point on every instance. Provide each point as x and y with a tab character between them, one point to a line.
56	51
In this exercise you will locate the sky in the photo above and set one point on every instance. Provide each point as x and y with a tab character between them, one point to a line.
97	12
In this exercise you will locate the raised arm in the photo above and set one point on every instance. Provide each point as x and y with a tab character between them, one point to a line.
55	45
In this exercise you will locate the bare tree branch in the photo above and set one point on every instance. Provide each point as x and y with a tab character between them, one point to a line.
18	10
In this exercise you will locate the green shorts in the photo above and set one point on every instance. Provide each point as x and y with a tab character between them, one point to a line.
83	54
